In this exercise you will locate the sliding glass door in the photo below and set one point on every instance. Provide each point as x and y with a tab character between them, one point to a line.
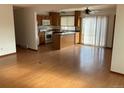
94	30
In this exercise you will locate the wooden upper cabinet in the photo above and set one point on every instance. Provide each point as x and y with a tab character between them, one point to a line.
42	17
77	18
77	24
39	20
54	18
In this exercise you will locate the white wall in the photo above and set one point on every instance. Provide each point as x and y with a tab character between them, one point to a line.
7	34
110	30
19	28
25	27
117	64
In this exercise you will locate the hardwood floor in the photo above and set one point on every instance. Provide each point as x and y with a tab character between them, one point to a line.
75	66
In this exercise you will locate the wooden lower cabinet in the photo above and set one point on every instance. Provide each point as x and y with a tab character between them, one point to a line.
66	40
56	41
62	41
77	38
41	38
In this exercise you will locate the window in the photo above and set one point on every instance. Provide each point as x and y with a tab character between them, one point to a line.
95	29
67	20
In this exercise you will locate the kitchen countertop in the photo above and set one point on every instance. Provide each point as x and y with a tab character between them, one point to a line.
64	33
59	31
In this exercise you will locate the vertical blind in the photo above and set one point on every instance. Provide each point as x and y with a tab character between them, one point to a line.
95	29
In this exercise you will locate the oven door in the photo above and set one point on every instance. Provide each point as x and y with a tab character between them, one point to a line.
48	37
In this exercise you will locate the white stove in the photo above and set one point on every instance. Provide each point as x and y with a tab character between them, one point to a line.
48	36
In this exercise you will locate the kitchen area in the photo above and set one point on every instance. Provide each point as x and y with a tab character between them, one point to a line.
59	29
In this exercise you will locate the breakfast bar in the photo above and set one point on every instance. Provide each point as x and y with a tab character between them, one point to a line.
63	39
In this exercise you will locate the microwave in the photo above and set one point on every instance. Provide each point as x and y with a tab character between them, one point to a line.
45	22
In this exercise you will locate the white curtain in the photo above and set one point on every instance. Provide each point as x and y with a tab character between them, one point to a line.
95	29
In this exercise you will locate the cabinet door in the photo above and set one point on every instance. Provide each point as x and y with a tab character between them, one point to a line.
42	37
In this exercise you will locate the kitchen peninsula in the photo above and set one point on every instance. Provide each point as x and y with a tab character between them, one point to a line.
63	39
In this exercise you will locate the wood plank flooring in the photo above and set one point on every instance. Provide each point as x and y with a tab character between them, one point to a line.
73	67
